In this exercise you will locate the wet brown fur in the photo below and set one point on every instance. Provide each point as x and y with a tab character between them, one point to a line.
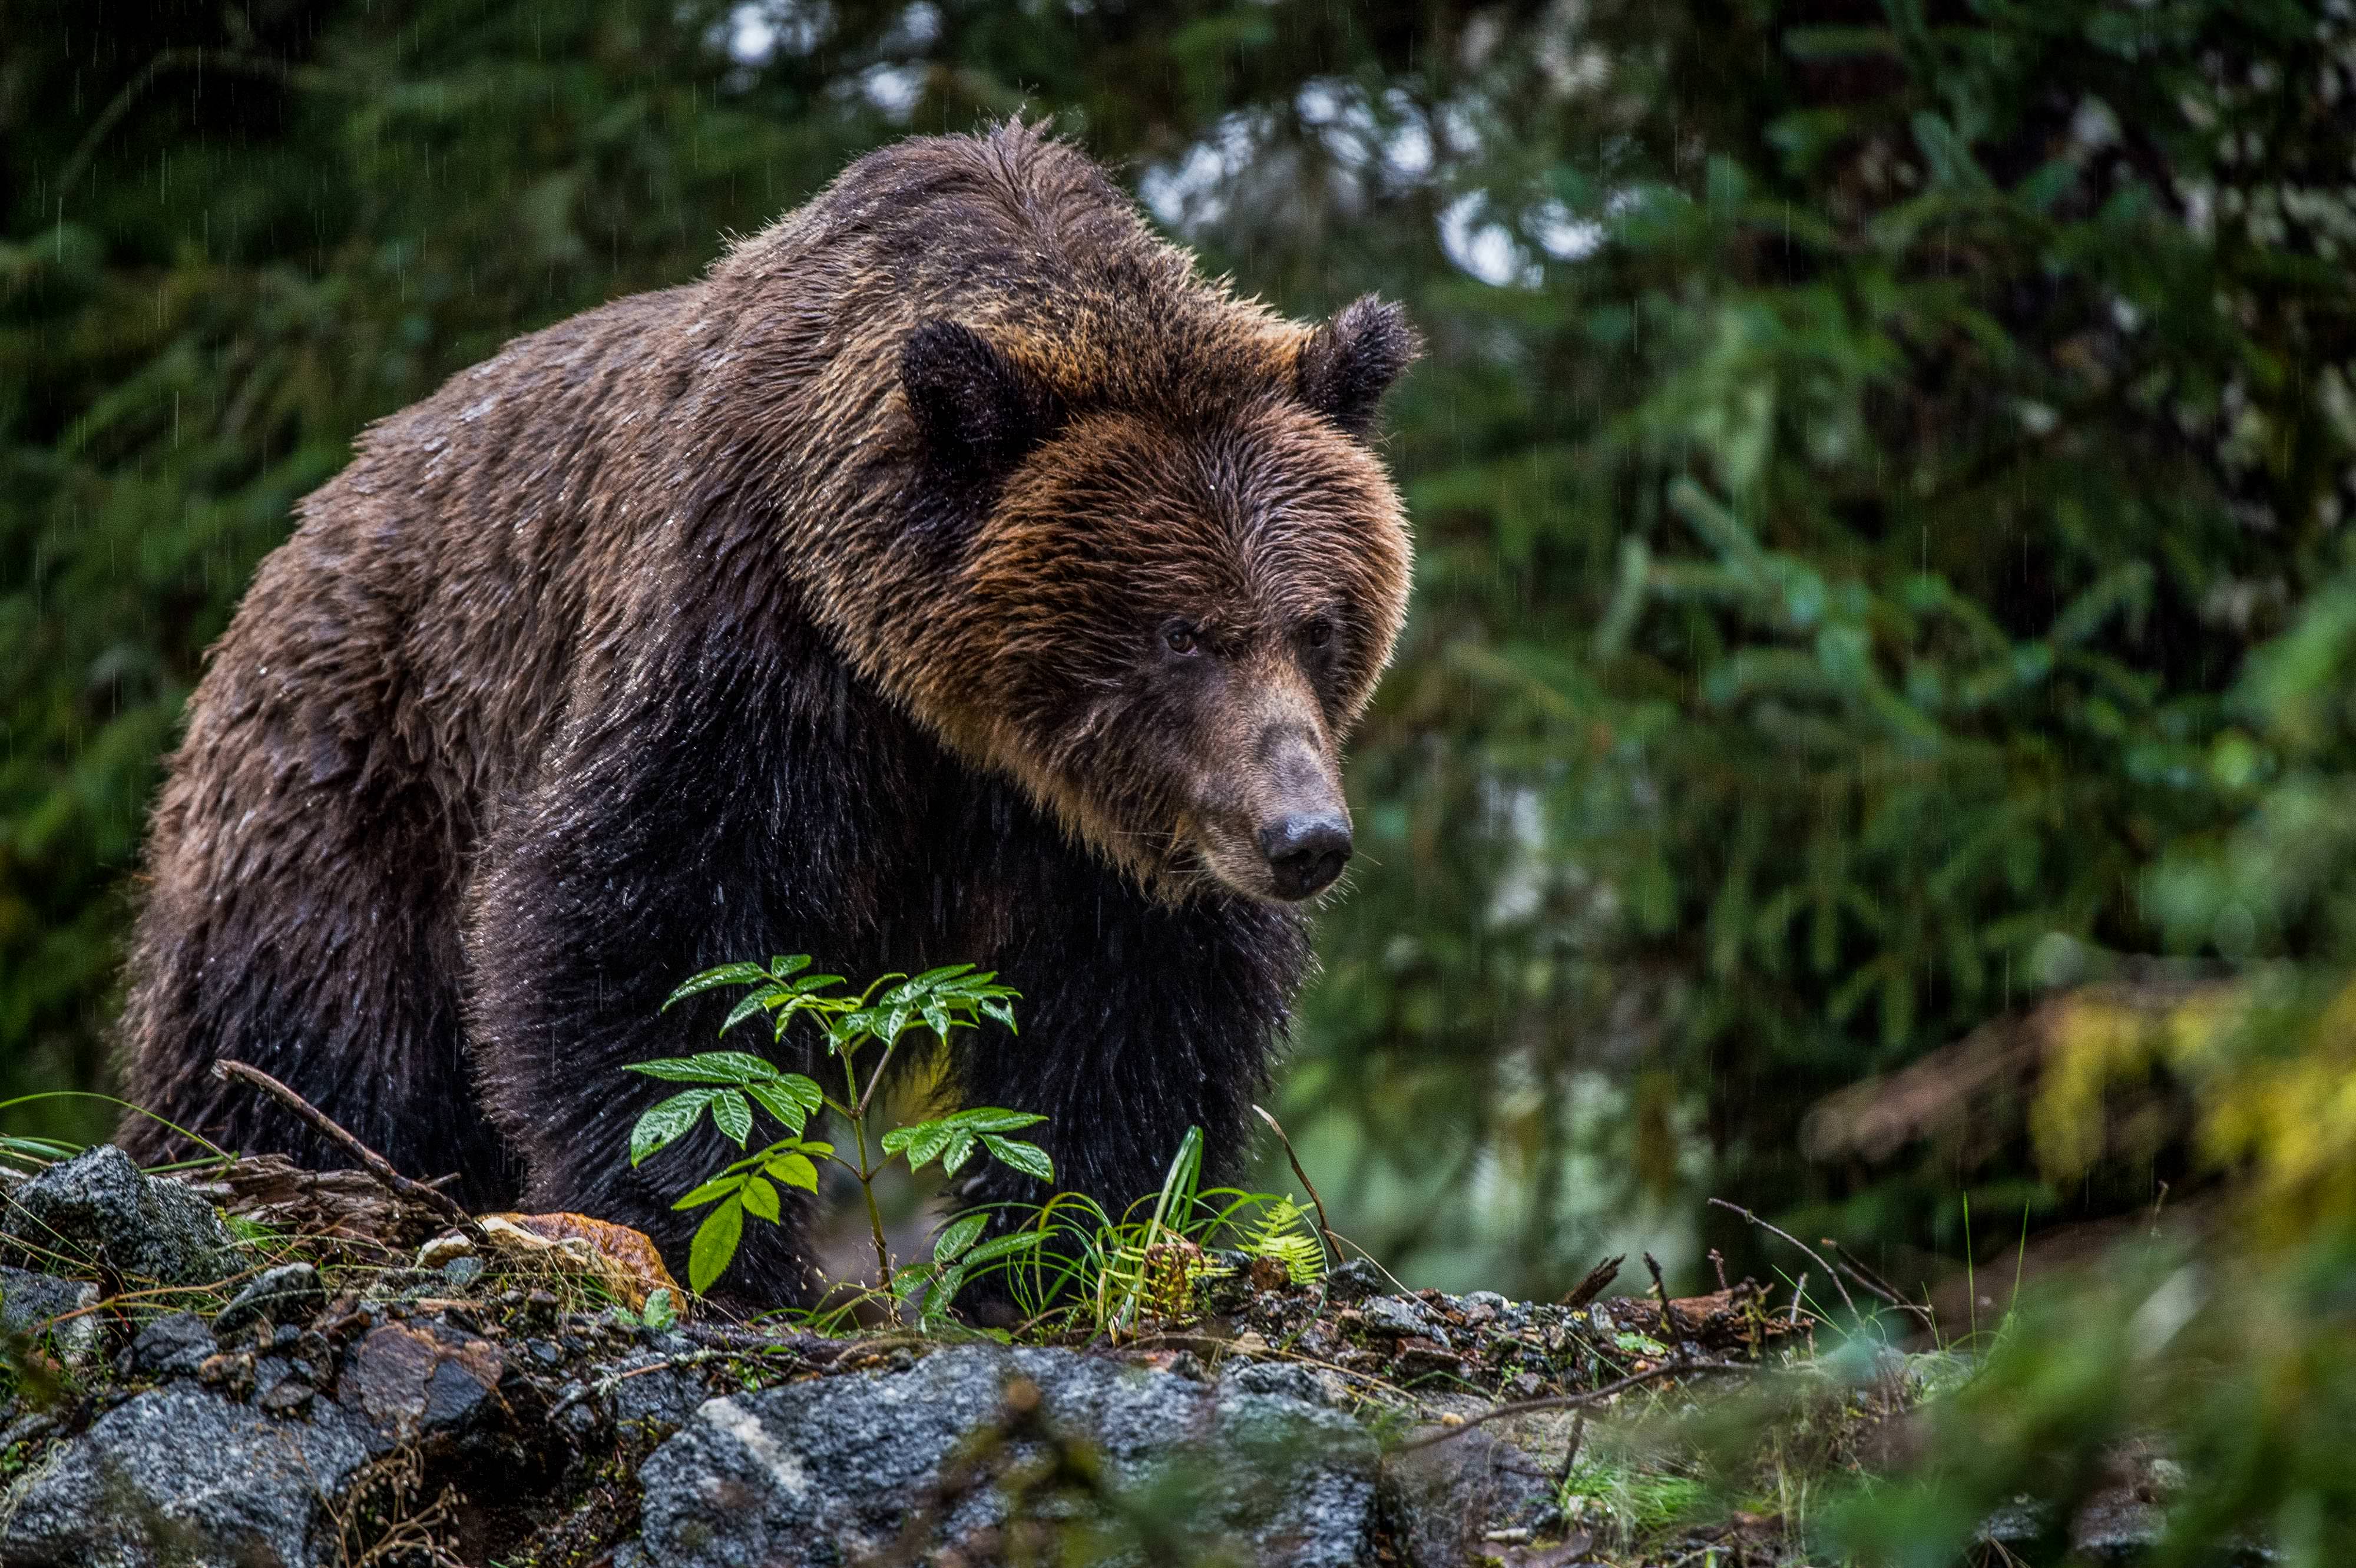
679	632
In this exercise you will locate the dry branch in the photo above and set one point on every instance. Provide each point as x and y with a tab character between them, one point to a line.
1578	1400
376	1164
1333	1244
1830	1273
1599	1278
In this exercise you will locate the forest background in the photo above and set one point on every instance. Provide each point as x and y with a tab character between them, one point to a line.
1873	740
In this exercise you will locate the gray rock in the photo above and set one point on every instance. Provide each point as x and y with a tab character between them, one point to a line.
29	1428
1442	1502
1396	1315
412	1382
2115	1527
288	1293
30	1303
171	1346
825	1471
664	1400
181	1476
1288	1380
98	1207
1354	1281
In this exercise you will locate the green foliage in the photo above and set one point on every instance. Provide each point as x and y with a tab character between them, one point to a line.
1834	566
2238	1358
1623	1500
1070	1266
1282	1235
21	1153
940	1001
2241	1376
659	1313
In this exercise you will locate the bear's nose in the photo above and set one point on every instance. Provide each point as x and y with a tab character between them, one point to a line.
1306	850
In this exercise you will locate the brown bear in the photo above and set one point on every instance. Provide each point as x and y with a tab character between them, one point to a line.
952	575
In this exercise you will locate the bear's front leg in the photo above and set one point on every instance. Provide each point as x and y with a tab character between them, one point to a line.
646	852
1138	1021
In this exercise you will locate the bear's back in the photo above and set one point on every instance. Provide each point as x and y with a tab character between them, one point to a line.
495	554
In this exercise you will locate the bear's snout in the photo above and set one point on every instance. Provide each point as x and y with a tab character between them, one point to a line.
1306	850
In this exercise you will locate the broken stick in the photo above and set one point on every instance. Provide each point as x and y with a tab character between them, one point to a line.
376	1164
1332	1243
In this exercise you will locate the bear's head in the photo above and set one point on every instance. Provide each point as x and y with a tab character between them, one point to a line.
1166	605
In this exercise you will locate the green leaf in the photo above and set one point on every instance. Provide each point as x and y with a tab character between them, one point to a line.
941	1293
733	1116
991	1119
793	1170
768	996
780	968
665	1122
1023	1241
742	1067
1029	1159
735	1068
677	1069
717	1188
959	1237
960	1149
661	1311
761	1200
714	1247
791	1099
920	1140
992	1008
713	979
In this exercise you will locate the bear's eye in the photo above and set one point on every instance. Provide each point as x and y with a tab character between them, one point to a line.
1181	638
1317	633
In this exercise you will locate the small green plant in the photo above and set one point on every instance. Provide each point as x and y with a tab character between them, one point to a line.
1069	1263
22	1153
1283	1236
659	1313
731	1084
1626	1500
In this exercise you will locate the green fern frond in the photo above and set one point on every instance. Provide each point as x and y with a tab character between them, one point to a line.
1284	1235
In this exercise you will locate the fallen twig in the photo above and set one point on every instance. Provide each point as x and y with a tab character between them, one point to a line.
1669	1335
1597	1279
1880	1286
1332	1243
376	1164
1830	1273
1571	1449
1578	1400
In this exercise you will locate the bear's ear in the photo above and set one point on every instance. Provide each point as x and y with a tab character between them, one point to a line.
976	411
1354	359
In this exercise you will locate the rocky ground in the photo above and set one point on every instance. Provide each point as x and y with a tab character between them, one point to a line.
256	1365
